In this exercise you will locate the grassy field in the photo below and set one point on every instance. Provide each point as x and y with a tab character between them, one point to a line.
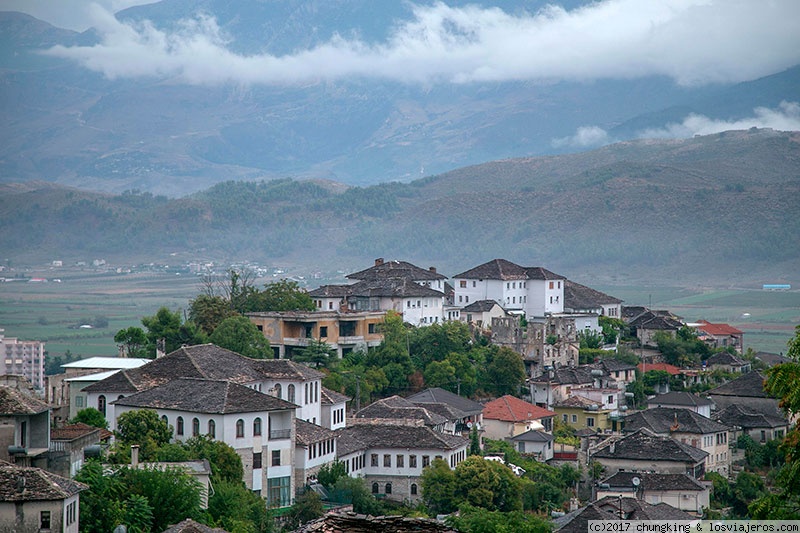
52	311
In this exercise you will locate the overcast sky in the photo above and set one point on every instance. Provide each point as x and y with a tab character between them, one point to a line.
691	41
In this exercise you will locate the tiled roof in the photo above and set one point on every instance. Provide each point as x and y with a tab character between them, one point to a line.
655	320
747	418
577	401
331	397
284	369
654	481
439	395
15	402
395	407
646	445
612	365
392	436
205	396
330	291
672	370
533	435
359	523
580	297
392	288
396	269
73	431
442	409
347	444
566	376
308	433
24	483
506	270
190	526
717	329
629	312
749	385
679	398
510	409
666	420
609	508
724	358
481	306
771	359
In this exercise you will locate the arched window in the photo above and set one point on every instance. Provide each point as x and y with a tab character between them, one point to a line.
374	488
290	393
239	428
413	489
165	419
101	404
257	427
179	423
278	390
195	427
388	488
212	429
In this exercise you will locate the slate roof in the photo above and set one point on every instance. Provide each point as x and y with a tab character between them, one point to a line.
308	433
481	306
205	361
442	409
393	436
205	396
679	398
609	508
396	269
653	320
724	358
347	444
331	397
747	418
396	407
718	329
580	297
359	523
510	409
439	395
190	526
73	431
392	288
612	365
38	484
750	385
533	435
578	401
663	421
330	291
629	312
567	376
15	402
654	481
771	359
506	270
644	445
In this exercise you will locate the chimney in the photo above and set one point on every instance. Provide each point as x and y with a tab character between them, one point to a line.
134	455
161	348
379	261
432	269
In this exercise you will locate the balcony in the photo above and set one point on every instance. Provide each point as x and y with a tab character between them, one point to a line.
351	339
279	434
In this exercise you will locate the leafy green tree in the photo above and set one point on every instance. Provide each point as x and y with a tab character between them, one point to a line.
440	374
283	295
101	510
318	354
435	342
474	441
354	490
306	507
590	339
173	495
169	326
747	488
488	484
134	342
234	508
392	355
329	473
506	372
52	363
142	427
226	464
137	514
239	335
438	487
208	312
477	520
612	328
90	416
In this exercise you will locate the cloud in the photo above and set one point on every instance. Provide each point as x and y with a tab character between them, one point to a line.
785	118
691	41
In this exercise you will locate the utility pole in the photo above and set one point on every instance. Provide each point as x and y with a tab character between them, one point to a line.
358	393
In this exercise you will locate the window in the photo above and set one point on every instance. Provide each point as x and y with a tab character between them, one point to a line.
374	488
257	460
44	520
413	489
78	401
305	388
290	393
551	285
195	427
387	460
564	417
240	429
388	488
374	459
212	429
72	513
276	458
426	461
574	419
412	461
323	331
257	427
370	328
590	421
330	305
278	492
401	460
278	390
179	423
101	406
610	399
165	419
463	284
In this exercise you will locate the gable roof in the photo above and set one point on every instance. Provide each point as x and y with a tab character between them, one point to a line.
190	526
439	395
672	370
679	398
724	358
331	397
481	306
657	321
203	361
644	445
654	481
15	402
566	376
581	297
394	436
25	483
392	288
510	409
771	359
576	400
611	508
396	269
747	418
506	270
205	396
308	433
750	385
717	329
73	431
610	364
533	435
396	407
666	420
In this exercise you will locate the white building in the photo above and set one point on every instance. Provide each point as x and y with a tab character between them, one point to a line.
534	291
23	358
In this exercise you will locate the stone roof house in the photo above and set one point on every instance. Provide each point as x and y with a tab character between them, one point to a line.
721	335
24	426
644	451
680	491
68	446
748	389
462	413
396	409
759	426
727	362
582	299
614	508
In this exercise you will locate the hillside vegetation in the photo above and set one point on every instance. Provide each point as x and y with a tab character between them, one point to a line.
722	207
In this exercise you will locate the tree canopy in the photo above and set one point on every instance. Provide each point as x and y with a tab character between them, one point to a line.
239	335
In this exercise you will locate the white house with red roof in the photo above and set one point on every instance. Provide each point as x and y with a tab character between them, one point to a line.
720	335
508	417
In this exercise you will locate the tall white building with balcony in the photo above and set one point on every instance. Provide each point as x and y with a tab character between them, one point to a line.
23	358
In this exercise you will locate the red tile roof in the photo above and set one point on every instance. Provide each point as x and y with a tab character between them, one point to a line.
717	329
510	409
672	370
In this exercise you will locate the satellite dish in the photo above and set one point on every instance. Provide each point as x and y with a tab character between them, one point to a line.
469	425
636	481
